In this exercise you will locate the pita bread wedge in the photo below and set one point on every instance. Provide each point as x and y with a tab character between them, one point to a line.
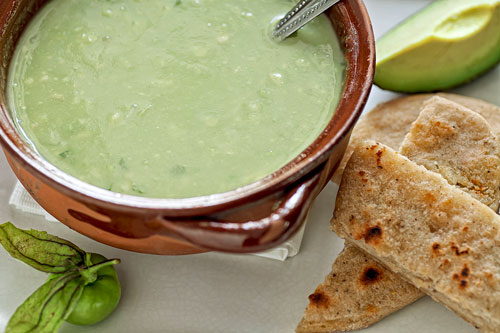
439	238
357	293
389	122
457	143
345	286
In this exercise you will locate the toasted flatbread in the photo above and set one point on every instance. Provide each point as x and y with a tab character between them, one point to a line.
389	122
344	287
439	238
457	143
357	293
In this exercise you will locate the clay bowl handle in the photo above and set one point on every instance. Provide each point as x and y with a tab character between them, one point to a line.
250	236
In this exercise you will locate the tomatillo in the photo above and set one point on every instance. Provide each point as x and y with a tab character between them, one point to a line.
99	298
82	287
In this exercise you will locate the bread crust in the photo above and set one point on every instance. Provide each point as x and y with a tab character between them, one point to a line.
357	293
437	237
457	143
389	122
346	310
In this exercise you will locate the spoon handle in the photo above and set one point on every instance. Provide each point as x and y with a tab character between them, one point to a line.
303	12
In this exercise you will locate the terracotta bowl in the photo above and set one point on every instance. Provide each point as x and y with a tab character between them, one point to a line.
252	218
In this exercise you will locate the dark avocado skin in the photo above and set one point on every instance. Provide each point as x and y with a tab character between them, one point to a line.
438	63
469	77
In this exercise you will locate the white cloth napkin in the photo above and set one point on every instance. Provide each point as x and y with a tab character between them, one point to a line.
22	201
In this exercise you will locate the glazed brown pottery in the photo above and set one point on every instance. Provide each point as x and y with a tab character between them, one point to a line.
252	218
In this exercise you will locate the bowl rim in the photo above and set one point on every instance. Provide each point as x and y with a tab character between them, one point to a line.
356	90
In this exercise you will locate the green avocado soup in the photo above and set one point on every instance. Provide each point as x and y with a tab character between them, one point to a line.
172	98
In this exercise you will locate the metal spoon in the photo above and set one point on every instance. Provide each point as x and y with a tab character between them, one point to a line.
299	16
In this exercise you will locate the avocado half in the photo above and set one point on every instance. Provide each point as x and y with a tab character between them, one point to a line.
446	44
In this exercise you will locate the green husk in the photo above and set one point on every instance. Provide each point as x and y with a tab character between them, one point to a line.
46	309
40	250
70	268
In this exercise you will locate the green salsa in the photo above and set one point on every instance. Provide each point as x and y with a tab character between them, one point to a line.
172	98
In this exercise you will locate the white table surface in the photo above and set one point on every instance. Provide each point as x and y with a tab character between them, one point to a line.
227	293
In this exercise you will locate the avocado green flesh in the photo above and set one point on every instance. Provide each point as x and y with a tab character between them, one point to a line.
444	45
169	98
